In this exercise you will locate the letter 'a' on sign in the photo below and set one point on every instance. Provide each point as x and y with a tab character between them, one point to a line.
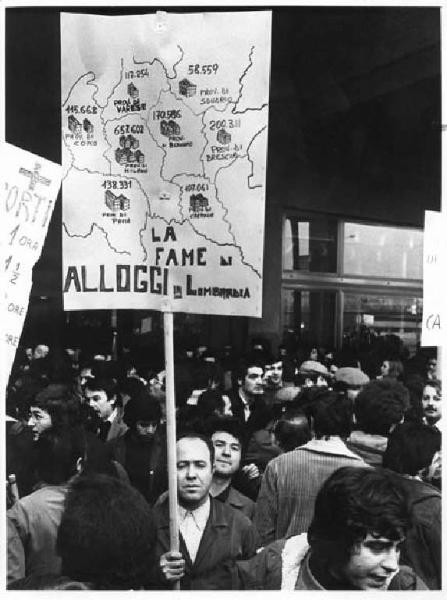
164	147
433	313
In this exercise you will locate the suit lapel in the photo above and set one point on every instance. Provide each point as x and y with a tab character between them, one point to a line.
210	535
185	553
117	428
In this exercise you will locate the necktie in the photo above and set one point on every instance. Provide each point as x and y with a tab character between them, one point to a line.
104	429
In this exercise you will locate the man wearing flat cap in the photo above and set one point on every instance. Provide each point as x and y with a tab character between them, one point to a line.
312	372
350	380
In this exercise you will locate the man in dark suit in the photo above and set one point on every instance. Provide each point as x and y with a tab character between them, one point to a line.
103	397
213	535
247	402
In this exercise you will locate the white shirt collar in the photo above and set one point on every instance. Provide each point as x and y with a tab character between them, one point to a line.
437	425
112	416
200	514
243	397
332	445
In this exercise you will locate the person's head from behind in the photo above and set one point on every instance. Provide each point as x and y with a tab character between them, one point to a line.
411	448
102	396
107	536
60	454
195	468
226	435
54	406
291	431
211	402
130	388
380	406
360	520
432	401
331	413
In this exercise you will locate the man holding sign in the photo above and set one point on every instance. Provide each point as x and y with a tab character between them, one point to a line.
212	535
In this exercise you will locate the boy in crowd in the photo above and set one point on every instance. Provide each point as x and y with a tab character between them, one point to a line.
353	541
226	436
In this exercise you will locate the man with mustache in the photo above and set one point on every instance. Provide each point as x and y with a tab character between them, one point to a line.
431	403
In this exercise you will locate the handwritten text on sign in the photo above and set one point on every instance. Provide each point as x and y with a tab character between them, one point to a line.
164	141
434	278
29	190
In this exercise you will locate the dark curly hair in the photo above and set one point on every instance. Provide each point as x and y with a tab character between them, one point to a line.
331	412
411	447
107	384
292	431
107	535
353	502
381	404
247	362
60	403
228	424
57	451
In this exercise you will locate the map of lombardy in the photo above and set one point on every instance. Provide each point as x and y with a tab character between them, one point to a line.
164	137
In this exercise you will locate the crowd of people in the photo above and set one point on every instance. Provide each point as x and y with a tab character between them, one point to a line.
310	469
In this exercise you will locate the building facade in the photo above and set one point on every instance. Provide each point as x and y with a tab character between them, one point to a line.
354	160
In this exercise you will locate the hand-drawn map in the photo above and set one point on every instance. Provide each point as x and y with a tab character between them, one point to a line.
164	137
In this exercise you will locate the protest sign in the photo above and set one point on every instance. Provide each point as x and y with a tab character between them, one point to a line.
30	188
164	136
434	278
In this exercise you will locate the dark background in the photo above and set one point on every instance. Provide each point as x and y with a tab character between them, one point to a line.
354	121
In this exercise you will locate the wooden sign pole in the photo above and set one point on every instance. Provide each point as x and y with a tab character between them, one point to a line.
168	326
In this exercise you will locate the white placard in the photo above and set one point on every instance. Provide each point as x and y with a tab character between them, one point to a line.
434	278
164	136
30	185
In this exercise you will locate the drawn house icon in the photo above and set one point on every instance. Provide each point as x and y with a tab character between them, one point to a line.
186	88
88	126
128	150
223	137
132	90
73	124
169	128
198	203
174	127
115	203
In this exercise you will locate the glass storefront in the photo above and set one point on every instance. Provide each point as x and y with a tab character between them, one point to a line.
340	278
373	251
398	315
310	245
312	313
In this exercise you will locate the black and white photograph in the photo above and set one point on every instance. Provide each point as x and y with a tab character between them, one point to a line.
224	282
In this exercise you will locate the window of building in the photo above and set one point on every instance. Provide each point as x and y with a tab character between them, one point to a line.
342	279
379	251
310	244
